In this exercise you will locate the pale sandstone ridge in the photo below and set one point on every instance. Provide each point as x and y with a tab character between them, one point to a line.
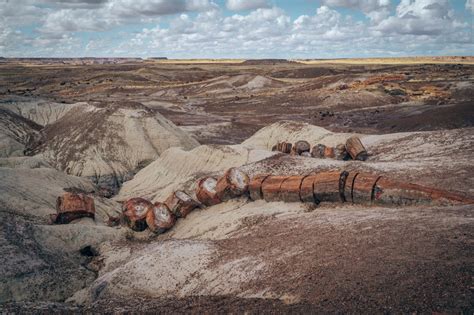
15	132
108	142
177	168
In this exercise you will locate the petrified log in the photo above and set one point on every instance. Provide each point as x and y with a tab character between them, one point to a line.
271	187
275	147
160	218
306	189
206	191
72	206
363	187
255	186
180	204
350	180
340	152
318	151
290	189
392	192
134	213
329	152
302	146
326	187
284	147
356	149
232	184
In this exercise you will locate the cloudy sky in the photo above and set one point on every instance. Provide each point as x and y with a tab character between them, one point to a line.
235	28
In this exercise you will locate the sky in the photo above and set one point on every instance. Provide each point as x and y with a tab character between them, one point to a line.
236	28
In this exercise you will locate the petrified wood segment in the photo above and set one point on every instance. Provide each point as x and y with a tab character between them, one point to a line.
134	213
206	191
180	203
306	189
329	152
356	149
350	180
160	218
255	186
290	189
232	184
302	146
284	147
340	152
271	187
318	151
363	187
72	206
326	186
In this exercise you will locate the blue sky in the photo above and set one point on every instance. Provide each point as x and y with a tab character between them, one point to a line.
235	28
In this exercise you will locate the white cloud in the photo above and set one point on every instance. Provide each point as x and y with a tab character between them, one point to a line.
470	5
239	5
376	10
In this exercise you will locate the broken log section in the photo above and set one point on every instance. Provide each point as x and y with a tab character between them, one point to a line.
255	186
72	206
234	183
206	191
356	149
159	218
134	213
181	204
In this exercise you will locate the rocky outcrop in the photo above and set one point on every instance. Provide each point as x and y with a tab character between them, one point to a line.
108	142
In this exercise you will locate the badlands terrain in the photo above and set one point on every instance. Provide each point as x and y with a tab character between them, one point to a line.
130	128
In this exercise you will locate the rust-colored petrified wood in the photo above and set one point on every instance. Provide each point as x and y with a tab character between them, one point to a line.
356	149
134	213
318	151
271	187
284	147
255	186
329	152
232	184
290	189
72	206
326	186
306	189
350	181
180	203
340	152
363	187
160	218
390	192
302	146
206	191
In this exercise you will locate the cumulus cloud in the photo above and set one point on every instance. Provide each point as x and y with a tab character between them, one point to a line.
239	5
421	17
376	10
470	5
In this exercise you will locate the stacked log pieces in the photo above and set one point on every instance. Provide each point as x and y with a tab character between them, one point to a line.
134	213
290	189
72	206
271	187
326	187
181	204
159	218
255	186
206	191
234	183
356	149
318	151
